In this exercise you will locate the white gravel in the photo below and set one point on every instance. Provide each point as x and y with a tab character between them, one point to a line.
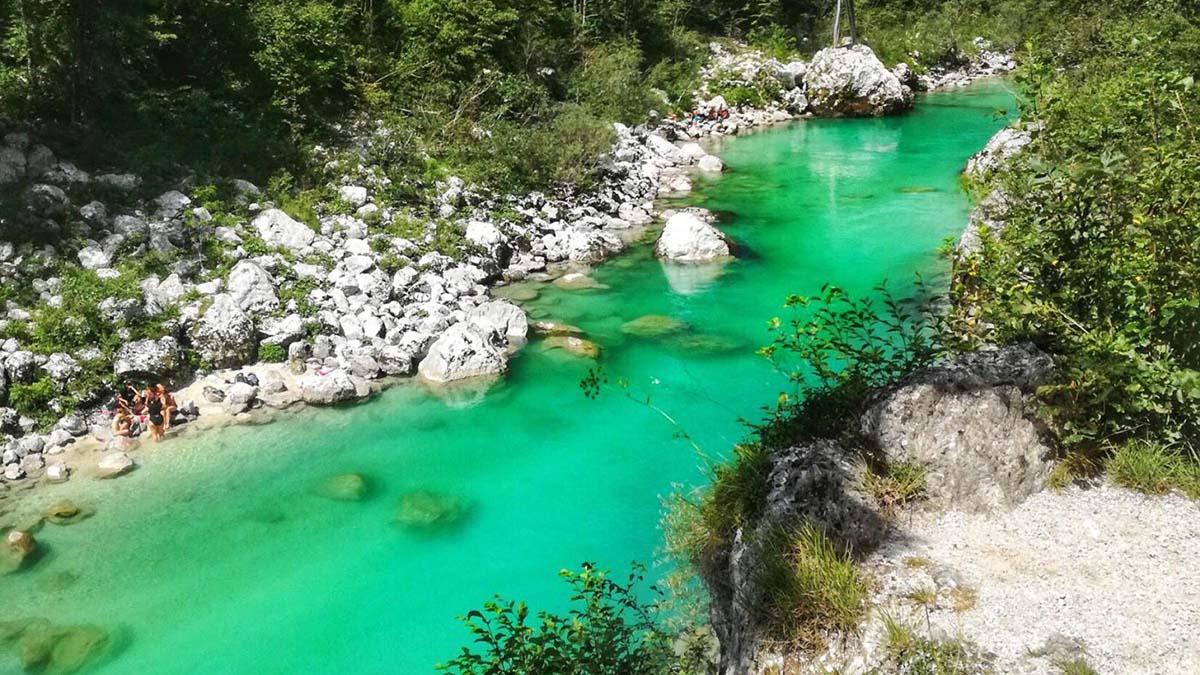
1104	573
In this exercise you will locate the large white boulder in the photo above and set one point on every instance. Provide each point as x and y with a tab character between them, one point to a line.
277	228
465	350
852	81
154	357
688	237
332	387
252	287
225	336
502	316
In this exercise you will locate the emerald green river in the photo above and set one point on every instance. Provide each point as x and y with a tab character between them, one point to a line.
217	556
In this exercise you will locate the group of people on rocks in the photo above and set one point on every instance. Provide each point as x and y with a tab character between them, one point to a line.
148	410
702	115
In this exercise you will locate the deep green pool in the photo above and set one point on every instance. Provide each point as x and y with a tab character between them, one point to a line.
215	557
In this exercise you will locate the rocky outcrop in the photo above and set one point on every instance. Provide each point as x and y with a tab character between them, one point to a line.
965	422
817	482
989	215
689	237
160	357
464	351
225	336
1000	149
852	81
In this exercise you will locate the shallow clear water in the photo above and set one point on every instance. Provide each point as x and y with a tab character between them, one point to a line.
216	557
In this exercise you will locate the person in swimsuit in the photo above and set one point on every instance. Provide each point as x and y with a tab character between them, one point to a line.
122	424
154	415
169	405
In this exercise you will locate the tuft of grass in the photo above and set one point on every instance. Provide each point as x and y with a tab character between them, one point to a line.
1150	468
926	597
808	588
1073	468
914	654
963	598
895	484
1076	666
916	562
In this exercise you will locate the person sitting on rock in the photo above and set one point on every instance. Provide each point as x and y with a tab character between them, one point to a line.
169	405
122	424
124	398
154	415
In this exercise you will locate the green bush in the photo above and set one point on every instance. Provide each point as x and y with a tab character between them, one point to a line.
272	353
609	629
1099	261
34	400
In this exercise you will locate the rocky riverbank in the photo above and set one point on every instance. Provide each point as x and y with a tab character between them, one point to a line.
341	302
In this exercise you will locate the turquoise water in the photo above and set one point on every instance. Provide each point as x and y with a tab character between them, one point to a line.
216	556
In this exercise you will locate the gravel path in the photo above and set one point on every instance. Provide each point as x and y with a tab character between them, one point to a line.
1103	573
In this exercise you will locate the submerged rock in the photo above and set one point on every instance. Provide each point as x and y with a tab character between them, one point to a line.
576	346
346	487
852	81
653	325
574	281
46	648
555	328
427	511
17	549
66	512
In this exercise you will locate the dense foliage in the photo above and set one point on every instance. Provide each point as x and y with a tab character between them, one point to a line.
1100	259
231	85
611	629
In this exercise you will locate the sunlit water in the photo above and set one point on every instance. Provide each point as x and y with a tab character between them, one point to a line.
216	556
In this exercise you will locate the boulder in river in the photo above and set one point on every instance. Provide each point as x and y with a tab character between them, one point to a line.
427	512
502	316
465	350
345	487
114	464
852	81
688	237
16	550
66	512
555	328
575	346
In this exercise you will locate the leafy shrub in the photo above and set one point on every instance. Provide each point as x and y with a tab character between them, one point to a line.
1099	262
609	629
272	353
34	399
